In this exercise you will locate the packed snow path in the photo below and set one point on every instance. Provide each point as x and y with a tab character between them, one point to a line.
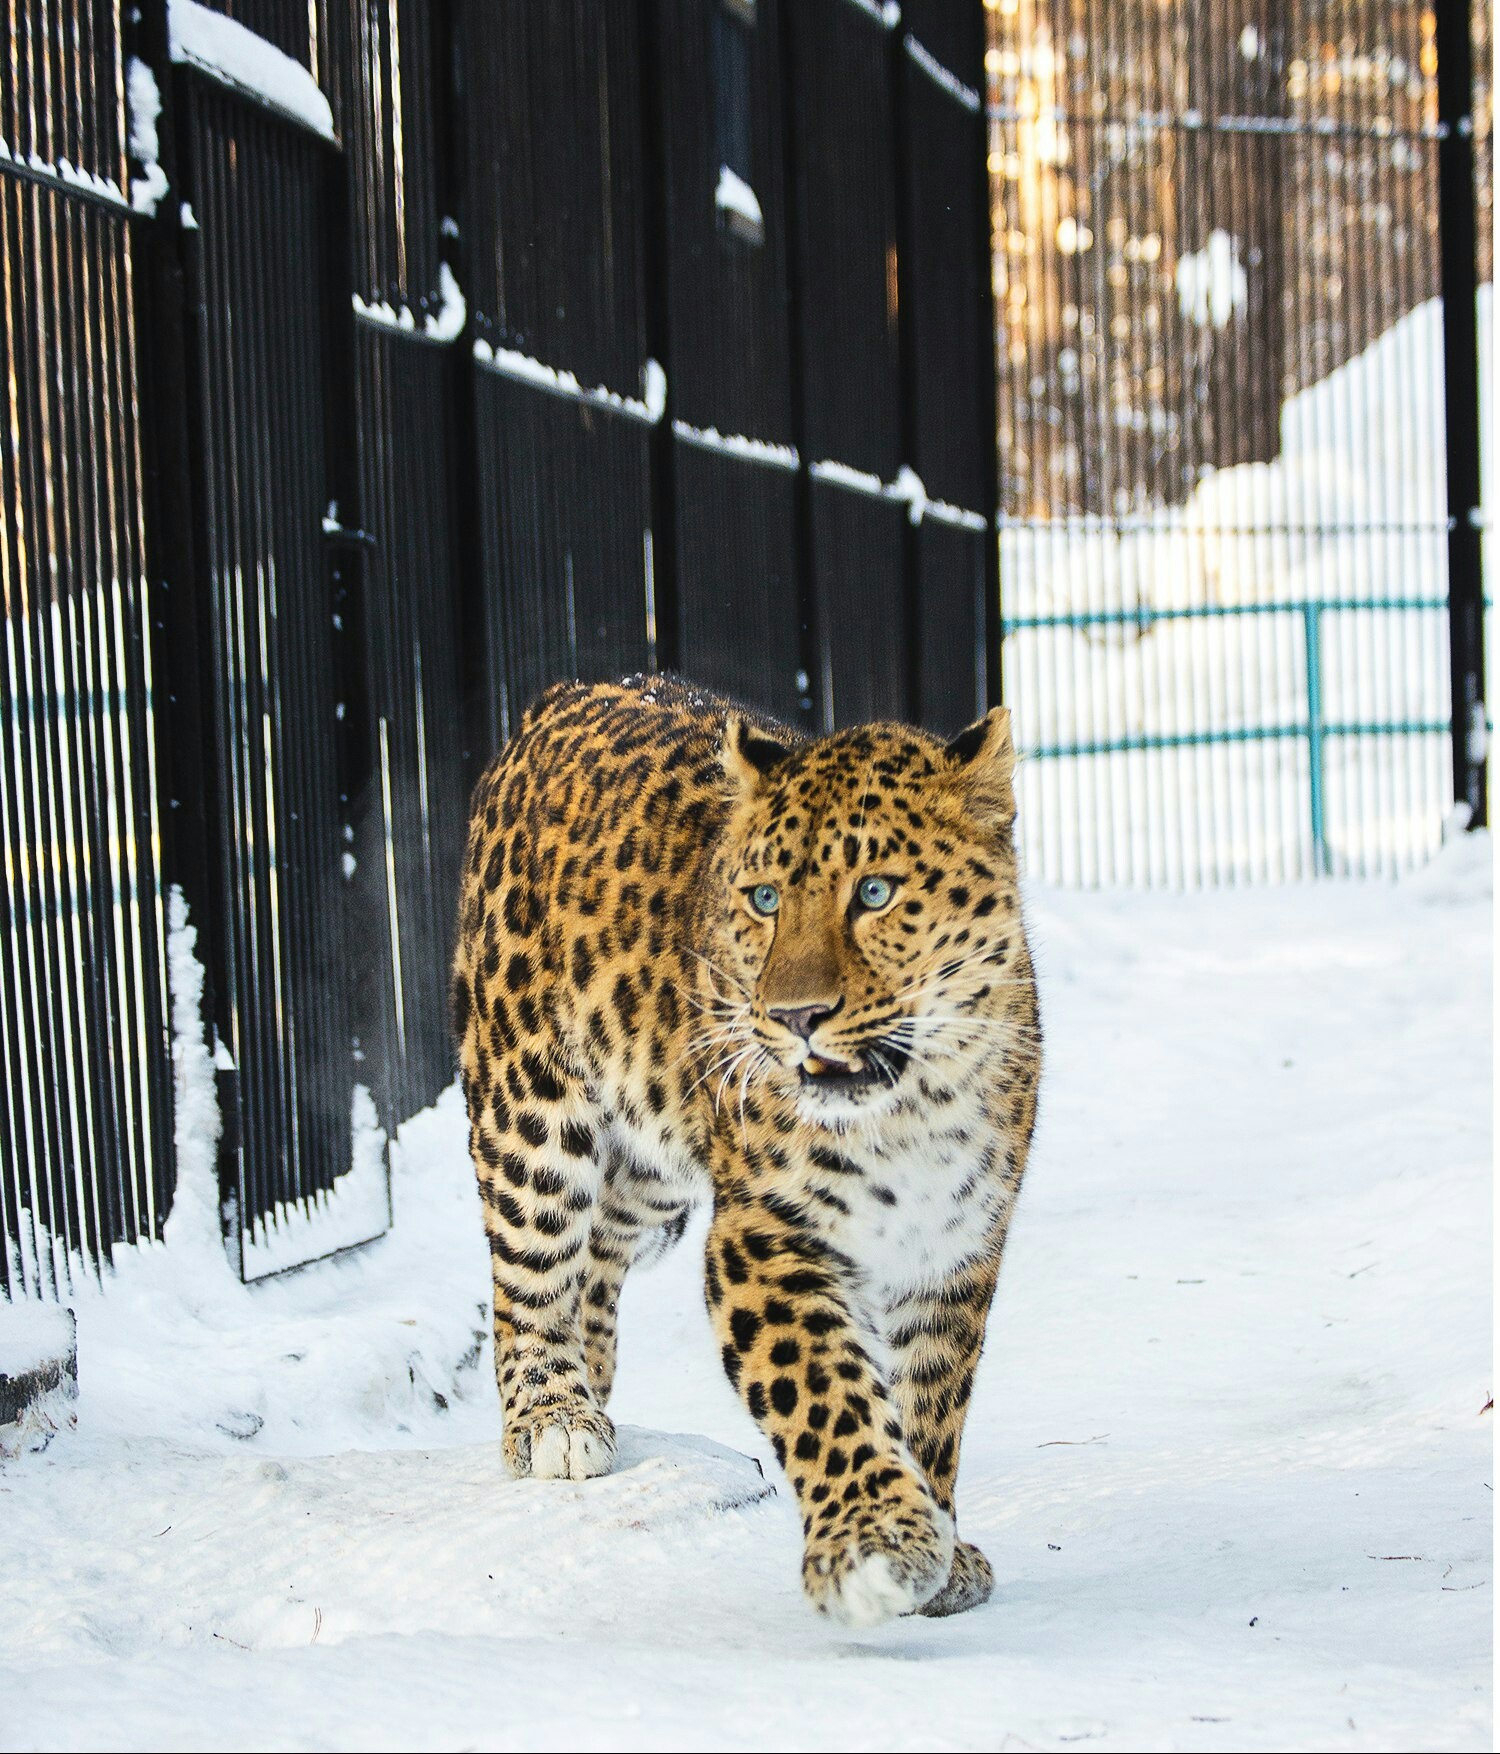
1227	1452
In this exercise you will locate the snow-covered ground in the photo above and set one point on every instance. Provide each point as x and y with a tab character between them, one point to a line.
1229	1452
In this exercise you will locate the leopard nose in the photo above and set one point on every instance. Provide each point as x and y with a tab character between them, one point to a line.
802	1019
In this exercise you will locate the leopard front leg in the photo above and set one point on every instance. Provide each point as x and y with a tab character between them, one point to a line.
535	1147
935	1340
877	1542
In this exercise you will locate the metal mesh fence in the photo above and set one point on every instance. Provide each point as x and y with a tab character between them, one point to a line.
84	1077
1225	518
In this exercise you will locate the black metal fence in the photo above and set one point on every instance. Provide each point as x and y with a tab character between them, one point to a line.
374	363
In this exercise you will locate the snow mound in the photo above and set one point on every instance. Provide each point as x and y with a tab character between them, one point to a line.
263	1553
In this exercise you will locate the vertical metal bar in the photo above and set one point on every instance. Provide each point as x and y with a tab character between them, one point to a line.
1461	387
812	634
906	353
655	258
989	404
1312	634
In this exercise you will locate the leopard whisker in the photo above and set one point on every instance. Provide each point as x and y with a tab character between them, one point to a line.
734	1065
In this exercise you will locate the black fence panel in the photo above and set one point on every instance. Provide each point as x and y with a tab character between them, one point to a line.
85	1079
409	824
564	504
860	547
948	326
841	132
554	252
264	193
717	75
737	572
407	798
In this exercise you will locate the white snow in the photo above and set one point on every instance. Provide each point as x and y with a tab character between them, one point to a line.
197	1123
356	1208
734	195
33	1335
444	324
226	51
510	363
1211	283
845	475
654	389
907	487
1228	1452
37	1341
734	444
65	173
144	101
941	75
884	12
384	313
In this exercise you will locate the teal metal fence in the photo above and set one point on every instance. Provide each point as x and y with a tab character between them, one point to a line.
1314	728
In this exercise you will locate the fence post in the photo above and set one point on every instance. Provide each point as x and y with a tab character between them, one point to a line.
174	514
1461	404
1313	636
906	348
655	256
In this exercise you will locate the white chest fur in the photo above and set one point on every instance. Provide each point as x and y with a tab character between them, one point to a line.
920	1205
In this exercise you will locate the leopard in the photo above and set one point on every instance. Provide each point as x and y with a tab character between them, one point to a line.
706	959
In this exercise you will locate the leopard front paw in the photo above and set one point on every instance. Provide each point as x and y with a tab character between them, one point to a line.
969	1584
878	1560
565	1440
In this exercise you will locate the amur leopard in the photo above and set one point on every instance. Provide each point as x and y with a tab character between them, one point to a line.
703	957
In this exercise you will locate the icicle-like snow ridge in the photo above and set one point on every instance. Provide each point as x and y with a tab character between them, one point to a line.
66	174
446	323
651	405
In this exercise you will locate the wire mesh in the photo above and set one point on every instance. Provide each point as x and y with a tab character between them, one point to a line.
1223	503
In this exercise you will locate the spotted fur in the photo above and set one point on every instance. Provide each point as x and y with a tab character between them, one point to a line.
850	1076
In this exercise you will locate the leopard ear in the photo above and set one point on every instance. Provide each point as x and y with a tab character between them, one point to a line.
748	755
984	759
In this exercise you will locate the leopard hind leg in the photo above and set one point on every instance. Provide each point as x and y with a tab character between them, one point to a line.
537	1139
637	1220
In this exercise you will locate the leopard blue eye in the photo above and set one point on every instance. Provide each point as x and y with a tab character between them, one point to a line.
765	898
874	892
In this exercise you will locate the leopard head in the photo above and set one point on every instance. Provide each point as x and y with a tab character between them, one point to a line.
863	925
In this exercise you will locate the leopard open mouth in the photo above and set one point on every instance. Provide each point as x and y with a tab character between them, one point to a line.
880	1068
